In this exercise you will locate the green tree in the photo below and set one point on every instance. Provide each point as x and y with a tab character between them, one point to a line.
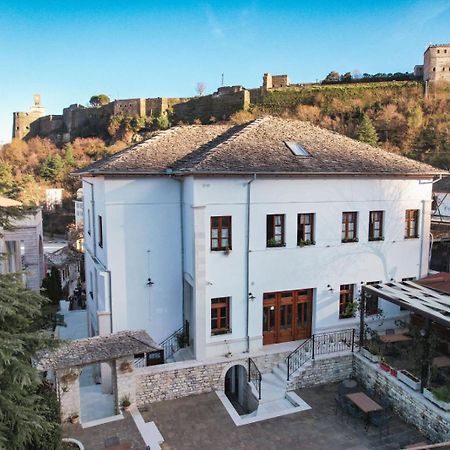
28	414
9	187
99	100
52	285
162	122
367	132
69	157
52	168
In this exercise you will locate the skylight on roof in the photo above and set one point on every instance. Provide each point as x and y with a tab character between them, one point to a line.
297	149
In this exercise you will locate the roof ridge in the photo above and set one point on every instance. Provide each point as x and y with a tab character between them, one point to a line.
246	128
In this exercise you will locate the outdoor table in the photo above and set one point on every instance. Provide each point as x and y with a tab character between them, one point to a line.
441	361
390	338
364	402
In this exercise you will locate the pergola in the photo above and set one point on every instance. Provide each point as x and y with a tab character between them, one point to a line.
433	304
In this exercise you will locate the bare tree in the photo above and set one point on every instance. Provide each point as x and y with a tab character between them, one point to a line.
200	88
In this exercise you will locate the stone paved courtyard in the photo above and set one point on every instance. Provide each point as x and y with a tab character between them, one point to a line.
201	422
97	438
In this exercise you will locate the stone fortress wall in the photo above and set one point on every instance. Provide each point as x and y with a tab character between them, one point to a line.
78	120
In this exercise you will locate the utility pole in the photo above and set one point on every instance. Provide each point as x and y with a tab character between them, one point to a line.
222	79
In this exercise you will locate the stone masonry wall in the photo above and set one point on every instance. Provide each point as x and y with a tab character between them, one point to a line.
321	371
175	380
409	404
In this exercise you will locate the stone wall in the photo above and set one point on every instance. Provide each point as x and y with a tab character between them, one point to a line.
410	405
322	370
68	389
437	63
175	380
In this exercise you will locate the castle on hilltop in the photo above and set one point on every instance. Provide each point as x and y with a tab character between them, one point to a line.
81	121
436	64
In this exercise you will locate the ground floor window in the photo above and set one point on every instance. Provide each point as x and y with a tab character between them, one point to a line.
220	315
346	301
372	306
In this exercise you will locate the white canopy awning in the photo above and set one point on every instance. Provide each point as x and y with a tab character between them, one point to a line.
426	302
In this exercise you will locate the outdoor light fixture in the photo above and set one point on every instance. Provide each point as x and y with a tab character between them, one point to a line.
423	332
251	296
329	288
150	282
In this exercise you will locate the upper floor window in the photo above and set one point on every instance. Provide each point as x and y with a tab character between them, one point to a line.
376	225
100	231
220	315
275	230
220	233
305	229
349	227
412	223
346	301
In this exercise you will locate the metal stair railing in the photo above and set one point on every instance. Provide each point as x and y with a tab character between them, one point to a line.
174	342
320	344
254	376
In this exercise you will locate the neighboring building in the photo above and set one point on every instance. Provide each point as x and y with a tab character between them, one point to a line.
436	63
21	246
79	209
22	120
67	261
53	198
252	235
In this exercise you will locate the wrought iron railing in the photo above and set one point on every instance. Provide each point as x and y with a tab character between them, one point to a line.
254	376
178	339
320	344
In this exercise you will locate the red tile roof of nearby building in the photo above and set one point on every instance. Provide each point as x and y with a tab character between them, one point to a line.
438	281
256	147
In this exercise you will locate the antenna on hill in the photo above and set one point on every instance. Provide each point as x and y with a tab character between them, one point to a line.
222	79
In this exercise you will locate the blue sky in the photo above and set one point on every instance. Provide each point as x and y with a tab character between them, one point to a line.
69	50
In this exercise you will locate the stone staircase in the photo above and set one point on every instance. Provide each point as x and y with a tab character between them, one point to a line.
275	399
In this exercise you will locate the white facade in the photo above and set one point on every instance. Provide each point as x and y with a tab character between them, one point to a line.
143	221
21	249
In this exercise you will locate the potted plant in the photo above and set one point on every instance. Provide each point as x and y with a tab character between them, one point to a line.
440	396
125	403
384	365
69	377
370	352
304	243
409	379
74	418
272	242
126	366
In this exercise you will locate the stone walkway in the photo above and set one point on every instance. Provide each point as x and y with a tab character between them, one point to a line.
201	422
101	436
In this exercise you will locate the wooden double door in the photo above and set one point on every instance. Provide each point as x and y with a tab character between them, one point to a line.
287	316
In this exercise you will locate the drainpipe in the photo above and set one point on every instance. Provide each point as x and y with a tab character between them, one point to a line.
247	262
422	239
182	246
93	216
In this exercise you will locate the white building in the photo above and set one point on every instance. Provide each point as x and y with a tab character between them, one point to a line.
21	248
253	235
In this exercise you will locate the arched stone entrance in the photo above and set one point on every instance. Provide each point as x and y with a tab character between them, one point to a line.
238	390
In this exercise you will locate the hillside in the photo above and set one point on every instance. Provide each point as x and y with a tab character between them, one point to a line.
394	115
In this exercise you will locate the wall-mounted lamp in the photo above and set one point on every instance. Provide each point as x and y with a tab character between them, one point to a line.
251	296
330	289
150	282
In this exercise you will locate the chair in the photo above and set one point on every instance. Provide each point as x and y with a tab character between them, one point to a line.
339	404
371	392
385	403
354	412
381	420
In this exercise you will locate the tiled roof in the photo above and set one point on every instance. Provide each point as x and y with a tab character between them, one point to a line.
95	349
257	147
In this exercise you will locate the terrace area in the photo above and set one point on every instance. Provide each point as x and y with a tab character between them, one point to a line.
201	421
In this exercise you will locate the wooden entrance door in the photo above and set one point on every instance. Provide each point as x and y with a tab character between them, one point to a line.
287	316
